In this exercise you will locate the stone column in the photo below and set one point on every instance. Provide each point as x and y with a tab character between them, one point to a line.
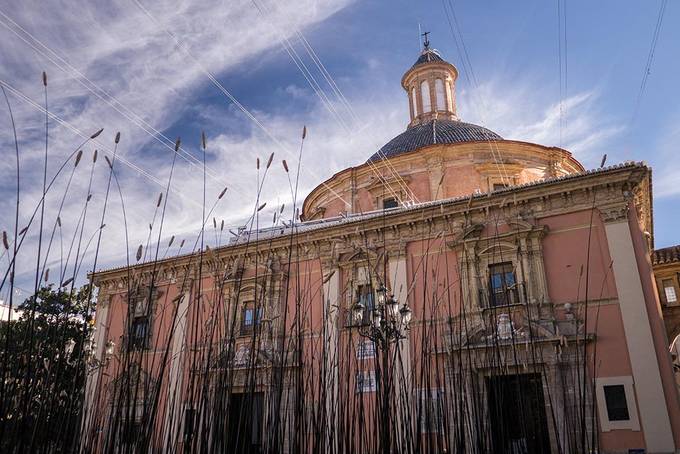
92	385
174	417
331	312
401	370
646	374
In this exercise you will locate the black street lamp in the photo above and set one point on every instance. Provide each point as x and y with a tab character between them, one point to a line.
388	324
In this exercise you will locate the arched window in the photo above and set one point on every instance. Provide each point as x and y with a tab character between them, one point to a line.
414	102
449	97
439	94
425	95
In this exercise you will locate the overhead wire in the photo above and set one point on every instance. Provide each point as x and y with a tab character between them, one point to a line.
324	98
472	79
648	63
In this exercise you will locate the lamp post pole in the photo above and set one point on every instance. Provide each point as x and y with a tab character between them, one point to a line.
388	324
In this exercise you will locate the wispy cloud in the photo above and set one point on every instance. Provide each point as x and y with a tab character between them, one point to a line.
519	110
147	82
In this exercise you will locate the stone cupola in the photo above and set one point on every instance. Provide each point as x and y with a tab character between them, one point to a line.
431	87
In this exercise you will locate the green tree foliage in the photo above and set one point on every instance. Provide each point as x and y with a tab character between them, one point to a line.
44	384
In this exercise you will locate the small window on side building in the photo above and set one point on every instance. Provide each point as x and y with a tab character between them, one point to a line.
669	291
615	398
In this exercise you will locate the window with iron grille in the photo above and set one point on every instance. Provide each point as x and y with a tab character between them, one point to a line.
250	317
390	203
502	284
366	296
140	333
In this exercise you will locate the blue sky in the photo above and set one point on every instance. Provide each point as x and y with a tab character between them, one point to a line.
151	60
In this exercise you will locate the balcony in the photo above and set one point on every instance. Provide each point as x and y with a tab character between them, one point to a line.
501	297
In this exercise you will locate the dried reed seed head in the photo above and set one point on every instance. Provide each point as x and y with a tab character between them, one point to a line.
214	223
139	252
89	197
150	226
222	193
47	274
172	238
178	142
285	166
275	213
304	132
108	162
604	159
24	230
181	244
78	156
4	240
96	134
282	207
258	163
203	141
67	282
94	156
102	226
222	225
44	77
117	139
59	221
271	158
261	207
160	199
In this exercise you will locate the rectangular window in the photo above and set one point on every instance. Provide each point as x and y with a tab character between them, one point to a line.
390	203
139	333
189	422
431	411
365	382
250	318
502	284
366	296
669	291
366	349
615	399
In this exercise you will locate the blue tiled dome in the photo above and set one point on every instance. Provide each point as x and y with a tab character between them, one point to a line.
427	56
431	133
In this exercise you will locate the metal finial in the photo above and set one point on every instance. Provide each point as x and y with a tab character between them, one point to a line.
426	40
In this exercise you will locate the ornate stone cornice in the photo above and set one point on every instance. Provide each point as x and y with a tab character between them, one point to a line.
616	212
426	221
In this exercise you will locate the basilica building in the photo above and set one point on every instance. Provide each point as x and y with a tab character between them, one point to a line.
457	292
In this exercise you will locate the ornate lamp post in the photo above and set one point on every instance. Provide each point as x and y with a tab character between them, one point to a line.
387	324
